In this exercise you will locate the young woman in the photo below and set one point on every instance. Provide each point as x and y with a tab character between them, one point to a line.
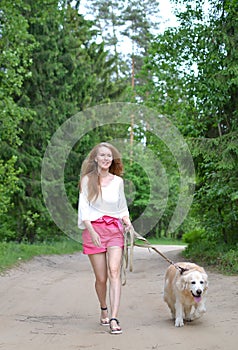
102	213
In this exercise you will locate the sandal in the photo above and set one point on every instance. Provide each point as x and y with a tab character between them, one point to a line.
117	329
104	321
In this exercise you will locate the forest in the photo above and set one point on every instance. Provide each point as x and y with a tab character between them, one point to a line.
56	62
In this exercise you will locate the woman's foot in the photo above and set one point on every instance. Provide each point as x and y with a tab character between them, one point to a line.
114	326
104	320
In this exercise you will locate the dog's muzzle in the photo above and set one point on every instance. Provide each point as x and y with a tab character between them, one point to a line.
197	297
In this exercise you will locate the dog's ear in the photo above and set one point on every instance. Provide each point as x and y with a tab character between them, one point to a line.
205	278
182	283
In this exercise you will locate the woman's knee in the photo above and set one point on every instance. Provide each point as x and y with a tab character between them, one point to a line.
101	280
114	273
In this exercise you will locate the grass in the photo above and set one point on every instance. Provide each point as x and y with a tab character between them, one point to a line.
165	241
11	254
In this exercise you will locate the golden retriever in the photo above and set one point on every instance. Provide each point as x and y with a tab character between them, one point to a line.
185	293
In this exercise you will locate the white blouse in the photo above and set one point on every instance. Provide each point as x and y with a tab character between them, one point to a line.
111	202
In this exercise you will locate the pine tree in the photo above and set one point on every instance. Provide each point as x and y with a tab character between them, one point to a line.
16	48
123	25
69	72
108	23
141	19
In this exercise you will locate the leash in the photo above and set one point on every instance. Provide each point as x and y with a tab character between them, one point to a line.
130	236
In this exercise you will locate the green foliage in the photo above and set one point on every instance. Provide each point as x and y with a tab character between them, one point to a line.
193	236
120	22
169	190
8	183
67	72
222	257
192	71
217	184
192	78
16	48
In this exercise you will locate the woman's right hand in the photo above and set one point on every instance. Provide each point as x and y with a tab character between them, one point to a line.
94	235
95	238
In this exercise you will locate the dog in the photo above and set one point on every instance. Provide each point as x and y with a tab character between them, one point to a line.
185	292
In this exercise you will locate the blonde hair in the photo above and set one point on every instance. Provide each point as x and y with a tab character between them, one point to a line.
89	168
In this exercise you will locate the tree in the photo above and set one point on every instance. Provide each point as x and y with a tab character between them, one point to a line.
16	51
69	72
139	20
199	57
194	70
107	21
127	22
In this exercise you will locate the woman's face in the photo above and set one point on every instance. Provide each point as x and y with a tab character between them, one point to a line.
104	158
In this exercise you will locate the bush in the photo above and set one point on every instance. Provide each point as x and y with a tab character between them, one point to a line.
222	257
193	236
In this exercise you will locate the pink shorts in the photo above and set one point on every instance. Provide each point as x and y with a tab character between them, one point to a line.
110	231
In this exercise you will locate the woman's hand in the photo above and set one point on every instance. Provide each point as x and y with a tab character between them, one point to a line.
94	235
95	238
127	223
128	227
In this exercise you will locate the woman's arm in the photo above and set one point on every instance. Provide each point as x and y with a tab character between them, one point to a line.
84	205
123	207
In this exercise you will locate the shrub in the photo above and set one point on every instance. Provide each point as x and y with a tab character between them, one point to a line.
222	257
193	236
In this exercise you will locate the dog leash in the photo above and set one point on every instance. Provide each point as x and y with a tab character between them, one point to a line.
129	239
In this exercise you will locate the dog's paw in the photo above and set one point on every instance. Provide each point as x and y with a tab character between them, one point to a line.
199	312
179	322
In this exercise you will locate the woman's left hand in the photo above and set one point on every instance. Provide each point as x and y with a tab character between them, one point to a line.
128	226
127	223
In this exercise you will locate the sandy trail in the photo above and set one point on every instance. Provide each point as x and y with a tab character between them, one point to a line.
50	303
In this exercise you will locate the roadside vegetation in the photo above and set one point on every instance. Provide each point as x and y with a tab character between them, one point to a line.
12	254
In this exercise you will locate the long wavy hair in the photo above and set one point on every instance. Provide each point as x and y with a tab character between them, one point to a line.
90	168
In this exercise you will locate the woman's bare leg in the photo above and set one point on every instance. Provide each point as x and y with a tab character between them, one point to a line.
114	272
99	265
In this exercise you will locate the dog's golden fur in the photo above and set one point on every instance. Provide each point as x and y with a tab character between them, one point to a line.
185	293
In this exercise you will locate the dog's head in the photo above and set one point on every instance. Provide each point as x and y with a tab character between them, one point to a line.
195	282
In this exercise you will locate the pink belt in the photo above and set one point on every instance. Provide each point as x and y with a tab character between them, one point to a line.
109	220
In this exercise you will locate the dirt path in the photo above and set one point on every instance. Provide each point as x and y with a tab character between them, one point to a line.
50	304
